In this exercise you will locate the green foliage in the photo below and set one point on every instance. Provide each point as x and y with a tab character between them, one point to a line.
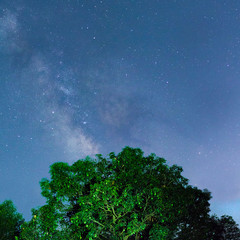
126	197
10	221
158	232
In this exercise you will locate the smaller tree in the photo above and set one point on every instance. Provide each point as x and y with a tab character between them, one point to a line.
10	221
29	229
192	223
43	225
231	230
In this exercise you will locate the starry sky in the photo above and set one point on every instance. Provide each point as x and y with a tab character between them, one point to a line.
82	77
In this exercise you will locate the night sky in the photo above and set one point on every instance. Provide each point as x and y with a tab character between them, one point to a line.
79	78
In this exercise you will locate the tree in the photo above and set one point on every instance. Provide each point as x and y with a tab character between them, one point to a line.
223	229
126	197
42	225
10	221
193	222
231	230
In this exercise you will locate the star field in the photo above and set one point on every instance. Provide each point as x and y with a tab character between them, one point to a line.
85	77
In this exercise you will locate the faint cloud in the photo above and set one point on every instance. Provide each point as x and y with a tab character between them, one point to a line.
38	64
36	77
114	111
9	32
8	22
40	69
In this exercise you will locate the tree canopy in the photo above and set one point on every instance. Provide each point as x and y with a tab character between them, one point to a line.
124	197
10	221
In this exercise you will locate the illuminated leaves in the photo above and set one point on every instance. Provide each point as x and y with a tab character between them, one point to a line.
129	196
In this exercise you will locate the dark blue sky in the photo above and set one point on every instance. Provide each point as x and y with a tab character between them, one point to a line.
85	77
